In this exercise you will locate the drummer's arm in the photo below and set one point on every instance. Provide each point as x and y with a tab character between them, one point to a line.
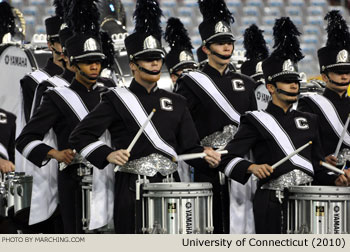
29	142
233	164
28	88
86	134
322	175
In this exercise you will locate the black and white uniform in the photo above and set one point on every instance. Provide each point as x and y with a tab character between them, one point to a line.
30	81
271	135
333	112
213	107
171	120
54	112
65	78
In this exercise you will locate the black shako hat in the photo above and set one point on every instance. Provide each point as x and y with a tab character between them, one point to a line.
256	52
334	57
53	24
180	55
282	63
216	22
7	20
145	42
83	20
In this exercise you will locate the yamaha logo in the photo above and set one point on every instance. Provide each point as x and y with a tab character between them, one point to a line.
16	61
189	218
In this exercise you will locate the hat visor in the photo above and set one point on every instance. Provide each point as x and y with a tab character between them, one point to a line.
225	38
287	78
91	57
150	55
341	69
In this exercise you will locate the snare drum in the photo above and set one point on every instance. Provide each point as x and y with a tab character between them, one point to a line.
318	210
22	188
177	208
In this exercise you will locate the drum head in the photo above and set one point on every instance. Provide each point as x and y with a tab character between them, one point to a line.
15	62
177	186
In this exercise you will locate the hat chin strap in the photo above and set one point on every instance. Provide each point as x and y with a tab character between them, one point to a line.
337	83
287	93
86	75
146	71
220	55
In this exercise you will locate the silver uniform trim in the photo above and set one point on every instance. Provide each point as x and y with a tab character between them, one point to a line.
292	178
231	165
149	166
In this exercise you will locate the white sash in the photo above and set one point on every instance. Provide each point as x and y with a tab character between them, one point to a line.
22	163
204	82
281	138
134	106
55	81
103	180
332	116
3	151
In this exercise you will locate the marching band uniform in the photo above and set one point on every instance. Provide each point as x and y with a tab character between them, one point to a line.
30	81
332	109
58	111
216	102
123	110
274	133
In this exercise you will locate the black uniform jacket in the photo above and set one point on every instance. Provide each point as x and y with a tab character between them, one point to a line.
329	139
55	113
266	150
207	116
174	125
7	134
29	85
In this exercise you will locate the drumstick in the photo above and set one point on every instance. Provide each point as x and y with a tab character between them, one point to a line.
64	165
331	167
290	155
195	155
342	136
140	131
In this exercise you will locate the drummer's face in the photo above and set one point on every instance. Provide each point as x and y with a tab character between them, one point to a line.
151	65
92	69
291	87
337	77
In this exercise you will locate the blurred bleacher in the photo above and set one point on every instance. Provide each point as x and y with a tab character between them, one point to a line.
307	15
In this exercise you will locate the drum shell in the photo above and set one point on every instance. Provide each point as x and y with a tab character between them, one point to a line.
177	208
318	210
22	187
3	200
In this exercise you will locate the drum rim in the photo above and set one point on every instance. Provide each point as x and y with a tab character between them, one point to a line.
319	190
177	186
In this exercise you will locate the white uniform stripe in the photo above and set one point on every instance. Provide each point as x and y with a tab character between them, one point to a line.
90	148
281	138
3	151
73	100
230	166
138	112
30	146
332	116
215	94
